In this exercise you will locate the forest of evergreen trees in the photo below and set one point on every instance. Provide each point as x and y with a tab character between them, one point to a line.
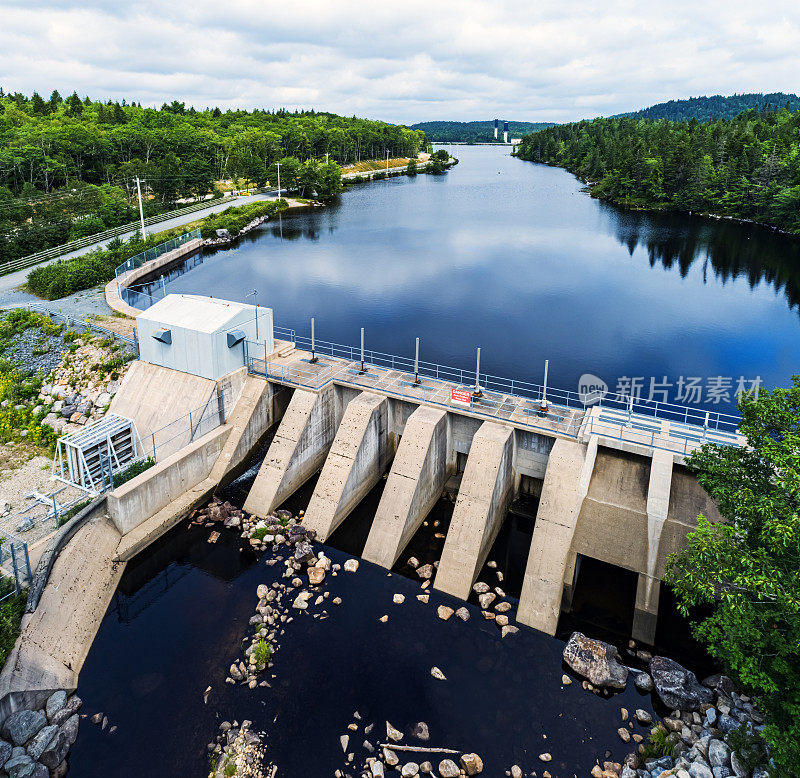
746	168
68	166
705	109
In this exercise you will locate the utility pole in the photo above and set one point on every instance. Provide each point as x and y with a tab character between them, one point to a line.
141	211
279	179
254	294
313	343
477	391
387	162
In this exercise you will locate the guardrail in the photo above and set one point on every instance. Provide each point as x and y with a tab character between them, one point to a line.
75	245
613	416
190	426
154	252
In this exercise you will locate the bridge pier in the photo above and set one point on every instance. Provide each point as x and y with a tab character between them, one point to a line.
415	483
297	451
358	455
551	559
486	489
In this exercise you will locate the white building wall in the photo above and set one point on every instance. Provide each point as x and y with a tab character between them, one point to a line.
198	352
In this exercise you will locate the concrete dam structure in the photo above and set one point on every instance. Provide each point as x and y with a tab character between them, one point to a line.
611	487
219	380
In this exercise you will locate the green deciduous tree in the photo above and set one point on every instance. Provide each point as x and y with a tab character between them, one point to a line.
746	570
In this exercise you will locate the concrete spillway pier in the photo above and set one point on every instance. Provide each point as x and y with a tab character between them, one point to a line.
566	483
358	456
486	489
297	452
415	483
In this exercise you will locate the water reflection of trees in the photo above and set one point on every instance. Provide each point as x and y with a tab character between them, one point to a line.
727	249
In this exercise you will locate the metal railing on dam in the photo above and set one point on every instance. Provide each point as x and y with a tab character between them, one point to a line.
651	424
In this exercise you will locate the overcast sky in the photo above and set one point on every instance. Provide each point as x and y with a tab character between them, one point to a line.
535	60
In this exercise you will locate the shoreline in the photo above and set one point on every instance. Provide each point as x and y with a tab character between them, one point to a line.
587	188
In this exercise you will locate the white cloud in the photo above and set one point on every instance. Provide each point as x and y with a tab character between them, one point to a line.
403	62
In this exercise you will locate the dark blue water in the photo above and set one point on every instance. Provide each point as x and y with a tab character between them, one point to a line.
515	258
176	624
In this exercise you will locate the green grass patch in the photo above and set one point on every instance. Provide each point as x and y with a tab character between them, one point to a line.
72	511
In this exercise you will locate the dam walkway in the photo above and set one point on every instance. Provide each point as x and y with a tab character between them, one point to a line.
622	422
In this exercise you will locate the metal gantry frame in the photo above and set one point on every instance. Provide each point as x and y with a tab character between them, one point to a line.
89	457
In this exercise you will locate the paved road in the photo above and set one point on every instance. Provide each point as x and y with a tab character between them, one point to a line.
13	280
9	294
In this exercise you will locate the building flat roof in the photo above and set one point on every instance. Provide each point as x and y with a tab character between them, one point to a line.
195	312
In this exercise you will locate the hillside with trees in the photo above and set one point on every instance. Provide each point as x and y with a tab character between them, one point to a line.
68	166
744	168
705	109
474	132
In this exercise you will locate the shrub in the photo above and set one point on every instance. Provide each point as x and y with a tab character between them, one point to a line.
134	469
262	653
11	611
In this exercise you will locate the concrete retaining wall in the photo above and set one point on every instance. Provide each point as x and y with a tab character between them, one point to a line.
143	496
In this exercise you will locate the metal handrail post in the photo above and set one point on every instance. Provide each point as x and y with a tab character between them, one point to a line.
14	566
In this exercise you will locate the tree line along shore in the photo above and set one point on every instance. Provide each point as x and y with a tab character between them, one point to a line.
69	167
745	168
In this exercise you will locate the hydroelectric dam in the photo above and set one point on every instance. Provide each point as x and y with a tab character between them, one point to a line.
215	379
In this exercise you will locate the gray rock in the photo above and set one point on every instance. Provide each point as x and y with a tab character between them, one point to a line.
660	764
719	755
17	764
41	741
676	686
70	729
642	681
720	772
700	770
40	771
55	702
5	752
72	707
410	769
727	723
595	660
711	717
56	752
22	725
303	552
761	772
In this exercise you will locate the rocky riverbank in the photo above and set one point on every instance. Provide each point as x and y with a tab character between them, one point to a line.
36	742
712	731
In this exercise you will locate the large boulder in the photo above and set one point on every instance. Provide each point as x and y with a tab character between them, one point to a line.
595	660
55	702
70	709
678	687
56	752
70	729
22	725
41	740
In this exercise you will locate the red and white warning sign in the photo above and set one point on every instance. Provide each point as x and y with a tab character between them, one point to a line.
461	397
